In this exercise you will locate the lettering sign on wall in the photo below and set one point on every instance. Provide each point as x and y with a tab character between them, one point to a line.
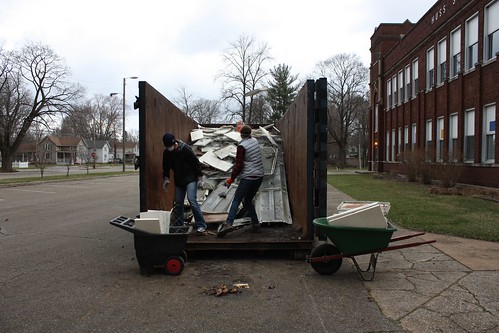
439	12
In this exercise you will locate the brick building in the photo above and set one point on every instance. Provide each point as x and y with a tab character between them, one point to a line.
435	89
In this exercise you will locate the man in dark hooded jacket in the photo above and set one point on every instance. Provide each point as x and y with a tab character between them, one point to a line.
186	168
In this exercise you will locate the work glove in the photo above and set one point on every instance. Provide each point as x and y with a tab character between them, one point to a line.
201	182
228	182
166	181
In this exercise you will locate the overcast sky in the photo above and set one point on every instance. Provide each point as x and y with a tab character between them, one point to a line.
171	44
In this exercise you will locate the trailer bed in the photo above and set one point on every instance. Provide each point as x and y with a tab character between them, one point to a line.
272	237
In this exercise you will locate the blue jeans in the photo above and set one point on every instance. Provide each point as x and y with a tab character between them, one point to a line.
178	208
245	192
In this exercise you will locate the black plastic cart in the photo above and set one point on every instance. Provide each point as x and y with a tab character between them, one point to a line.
153	250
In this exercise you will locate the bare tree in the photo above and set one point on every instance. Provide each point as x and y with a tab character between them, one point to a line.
33	88
244	72
206	111
99	117
184	100
347	89
202	110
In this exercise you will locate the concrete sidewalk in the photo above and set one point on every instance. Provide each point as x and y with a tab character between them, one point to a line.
448	286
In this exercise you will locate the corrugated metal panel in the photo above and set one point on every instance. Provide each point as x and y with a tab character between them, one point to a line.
218	201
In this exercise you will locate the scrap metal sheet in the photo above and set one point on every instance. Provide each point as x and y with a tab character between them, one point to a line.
219	200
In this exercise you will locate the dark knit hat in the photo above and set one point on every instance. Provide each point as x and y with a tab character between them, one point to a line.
245	131
168	139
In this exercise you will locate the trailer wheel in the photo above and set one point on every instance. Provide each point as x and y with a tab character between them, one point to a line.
174	265
326	267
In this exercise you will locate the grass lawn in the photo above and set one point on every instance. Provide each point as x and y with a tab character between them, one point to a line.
414	207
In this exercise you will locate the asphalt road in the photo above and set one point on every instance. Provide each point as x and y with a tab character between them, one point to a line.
64	268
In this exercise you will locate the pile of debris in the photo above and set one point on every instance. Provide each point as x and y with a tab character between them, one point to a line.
223	289
216	149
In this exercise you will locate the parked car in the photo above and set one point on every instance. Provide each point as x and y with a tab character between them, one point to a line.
115	160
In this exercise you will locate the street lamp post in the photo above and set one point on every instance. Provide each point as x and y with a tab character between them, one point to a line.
124	108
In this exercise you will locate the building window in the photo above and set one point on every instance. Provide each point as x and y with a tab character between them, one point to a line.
413	141
491	30
399	146
442	61
388	94
440	139
401	87
406	141
48	146
469	136
453	137
407	90
415	76
376	120
455	51
394	91
393	146
387	150
428	145
489	133
430	68
471	42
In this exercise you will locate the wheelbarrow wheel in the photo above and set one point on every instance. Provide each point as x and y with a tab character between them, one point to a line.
174	265
326	267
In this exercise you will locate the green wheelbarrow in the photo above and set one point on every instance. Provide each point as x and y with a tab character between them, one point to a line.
349	242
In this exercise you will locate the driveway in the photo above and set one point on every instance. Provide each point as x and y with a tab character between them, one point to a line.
66	269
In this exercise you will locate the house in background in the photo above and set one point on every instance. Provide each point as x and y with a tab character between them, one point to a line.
131	150
102	149
61	150
26	153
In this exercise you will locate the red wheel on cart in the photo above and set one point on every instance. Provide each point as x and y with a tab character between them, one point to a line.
326	267
174	265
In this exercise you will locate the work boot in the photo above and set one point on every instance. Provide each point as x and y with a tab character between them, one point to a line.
255	228
224	229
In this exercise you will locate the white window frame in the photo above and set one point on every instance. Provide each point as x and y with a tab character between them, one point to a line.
491	33
413	134
388	94
387	153
442	61
407	80
469	136
440	136
430	68
399	146
393	146
489	133
394	91
401	87
414	78
429	137
455	52
471	42
453	136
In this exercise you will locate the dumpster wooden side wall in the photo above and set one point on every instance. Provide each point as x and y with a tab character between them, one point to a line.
303	130
304	133
157	115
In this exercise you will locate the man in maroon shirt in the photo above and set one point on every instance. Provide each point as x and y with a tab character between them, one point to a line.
249	169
